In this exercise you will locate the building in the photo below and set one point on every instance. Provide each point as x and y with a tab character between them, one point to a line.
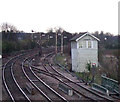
84	50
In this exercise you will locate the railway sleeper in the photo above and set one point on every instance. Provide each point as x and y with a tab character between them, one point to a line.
66	89
30	88
100	88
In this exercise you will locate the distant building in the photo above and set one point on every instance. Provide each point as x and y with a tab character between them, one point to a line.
84	49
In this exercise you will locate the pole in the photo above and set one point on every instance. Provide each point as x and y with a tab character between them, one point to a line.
61	43
40	40
32	35
56	44
48	40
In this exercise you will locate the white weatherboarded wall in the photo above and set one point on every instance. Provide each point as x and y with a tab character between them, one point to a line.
84	55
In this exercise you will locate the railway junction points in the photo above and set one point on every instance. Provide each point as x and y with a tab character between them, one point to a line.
30	77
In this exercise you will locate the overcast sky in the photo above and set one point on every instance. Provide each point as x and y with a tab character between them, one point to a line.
71	15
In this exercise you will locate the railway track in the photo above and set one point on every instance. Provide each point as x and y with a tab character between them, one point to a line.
80	89
75	97
33	94
57	76
10	83
49	93
13	85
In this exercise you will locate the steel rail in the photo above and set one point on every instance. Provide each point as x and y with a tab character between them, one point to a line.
18	84
13	77
81	85
34	83
46	84
43	71
60	80
76	83
4	80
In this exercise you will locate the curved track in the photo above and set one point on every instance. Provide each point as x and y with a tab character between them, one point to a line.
10	82
13	85
79	88
49	93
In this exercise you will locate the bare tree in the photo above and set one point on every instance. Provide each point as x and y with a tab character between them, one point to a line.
8	27
50	30
58	30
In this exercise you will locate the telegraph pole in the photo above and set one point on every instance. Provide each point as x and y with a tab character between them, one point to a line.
61	43
32	35
56	44
40	40
48	40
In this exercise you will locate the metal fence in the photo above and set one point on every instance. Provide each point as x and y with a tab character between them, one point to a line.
109	83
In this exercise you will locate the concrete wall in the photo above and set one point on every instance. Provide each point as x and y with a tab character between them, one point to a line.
81	56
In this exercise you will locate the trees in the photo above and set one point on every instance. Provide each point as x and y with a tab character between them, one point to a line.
58	30
8	31
49	30
8	27
10	41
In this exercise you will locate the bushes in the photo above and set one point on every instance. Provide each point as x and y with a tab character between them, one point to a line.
88	67
11	43
10	46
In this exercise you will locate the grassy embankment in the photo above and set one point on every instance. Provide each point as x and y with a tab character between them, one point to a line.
63	60
108	65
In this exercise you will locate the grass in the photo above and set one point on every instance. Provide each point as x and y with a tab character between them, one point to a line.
87	76
98	79
61	59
